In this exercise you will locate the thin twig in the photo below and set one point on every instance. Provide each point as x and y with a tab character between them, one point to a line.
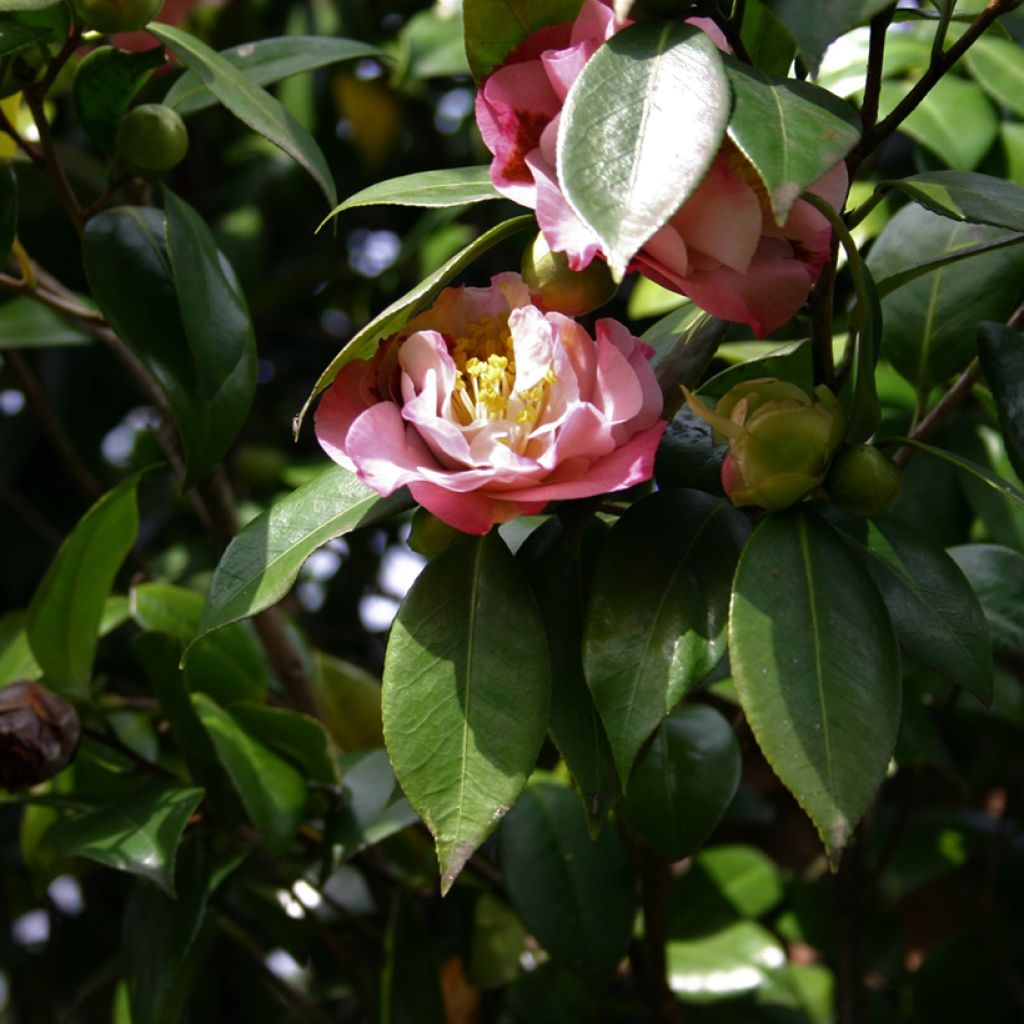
53	166
850	895
72	43
31	151
48	298
26	511
876	57
949	401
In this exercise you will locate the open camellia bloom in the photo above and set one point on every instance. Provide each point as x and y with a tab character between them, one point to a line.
487	407
722	247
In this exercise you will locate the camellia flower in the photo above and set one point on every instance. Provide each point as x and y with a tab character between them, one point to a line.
487	407
780	440
722	247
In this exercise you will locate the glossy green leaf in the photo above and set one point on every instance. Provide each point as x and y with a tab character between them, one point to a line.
624	163
457	186
467	636
265	62
348	698
494	28
791	131
220	334
817	668
683	782
132	269
25	323
929	324
252	105
770	46
300	738
363	343
686	456
723	965
574	894
16	36
8	211
162	942
64	617
16	660
272	792
997	575
105	83
965	195
138	833
555	577
656	621
262	561
431	45
1001	353
410	983
955	121
938	619
230	666
685	342
792	362
813	24
997	66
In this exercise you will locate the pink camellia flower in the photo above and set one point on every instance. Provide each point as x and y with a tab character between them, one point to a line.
722	248
487	407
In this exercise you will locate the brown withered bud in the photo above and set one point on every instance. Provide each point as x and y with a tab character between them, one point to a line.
39	734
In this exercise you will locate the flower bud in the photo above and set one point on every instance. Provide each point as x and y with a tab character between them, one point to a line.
111	16
780	440
152	139
863	481
39	734
561	290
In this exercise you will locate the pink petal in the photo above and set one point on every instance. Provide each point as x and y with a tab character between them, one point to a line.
473	512
341	404
387	454
563	230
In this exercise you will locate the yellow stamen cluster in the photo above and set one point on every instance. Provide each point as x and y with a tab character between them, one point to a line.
485	367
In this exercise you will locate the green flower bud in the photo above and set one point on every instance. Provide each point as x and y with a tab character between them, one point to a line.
111	16
780	440
39	734
562	290
151	139
863	481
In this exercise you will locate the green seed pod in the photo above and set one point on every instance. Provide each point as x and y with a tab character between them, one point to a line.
863	481
110	16
558	288
151	139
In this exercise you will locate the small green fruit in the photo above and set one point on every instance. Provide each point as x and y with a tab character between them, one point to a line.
110	16
863	481
560	289
151	139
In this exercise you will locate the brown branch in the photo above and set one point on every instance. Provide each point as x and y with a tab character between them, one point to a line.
876	58
51	299
72	43
31	151
949	401
850	894
655	888
874	137
52	164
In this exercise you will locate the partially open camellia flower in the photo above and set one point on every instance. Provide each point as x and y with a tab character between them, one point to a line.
780	439
487	407
722	247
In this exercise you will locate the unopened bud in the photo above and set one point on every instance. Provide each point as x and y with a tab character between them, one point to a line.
558	288
39	734
863	481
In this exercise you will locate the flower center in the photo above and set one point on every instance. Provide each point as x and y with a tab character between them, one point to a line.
485	374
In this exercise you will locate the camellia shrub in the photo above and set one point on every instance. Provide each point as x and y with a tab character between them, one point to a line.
512	511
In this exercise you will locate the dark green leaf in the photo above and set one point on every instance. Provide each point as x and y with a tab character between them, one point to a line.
467	636
273	793
770	46
362	344
687	458
16	36
791	131
494	28
814	24
131	270
929	324
16	661
817	668
348	698
252	105
683	782
684	342
138	833
230	666
623	162
657	617
162	942
410	984
25	323
300	738
25	5
955	121
554	574
573	893
457	186
996	65
997	576
266	61
1001	352
8	212
64	617
105	83
261	563
937	617
218	327
965	195
792	362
